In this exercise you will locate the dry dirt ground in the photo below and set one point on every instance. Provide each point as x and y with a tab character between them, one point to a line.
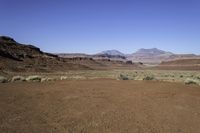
99	106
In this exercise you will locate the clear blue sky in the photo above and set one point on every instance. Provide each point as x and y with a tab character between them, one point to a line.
90	26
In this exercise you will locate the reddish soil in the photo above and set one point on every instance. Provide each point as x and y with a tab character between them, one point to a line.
99	106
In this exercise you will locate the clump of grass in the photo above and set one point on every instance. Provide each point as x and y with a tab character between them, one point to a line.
166	75
3	79
190	81
18	79
181	76
149	77
198	77
51	79
172	76
123	77
63	77
47	79
34	78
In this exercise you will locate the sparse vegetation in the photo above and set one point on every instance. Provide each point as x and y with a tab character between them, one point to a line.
51	79
149	77
63	77
44	79
191	81
171	76
198	77
123	77
18	78
34	78
3	79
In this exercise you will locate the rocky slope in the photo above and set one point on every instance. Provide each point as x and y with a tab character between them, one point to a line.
11	49
16	57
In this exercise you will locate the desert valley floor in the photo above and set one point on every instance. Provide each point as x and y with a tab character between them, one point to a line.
149	91
99	106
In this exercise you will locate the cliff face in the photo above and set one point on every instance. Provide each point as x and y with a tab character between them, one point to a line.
9	48
18	57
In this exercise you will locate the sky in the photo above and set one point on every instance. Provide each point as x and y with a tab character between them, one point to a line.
91	26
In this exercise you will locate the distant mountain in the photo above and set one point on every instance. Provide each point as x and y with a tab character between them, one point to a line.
150	56
146	56
112	52
151	52
109	55
156	56
72	55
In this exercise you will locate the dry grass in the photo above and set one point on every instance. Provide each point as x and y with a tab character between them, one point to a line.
160	75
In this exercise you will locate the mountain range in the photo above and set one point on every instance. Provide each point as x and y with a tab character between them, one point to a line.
17	57
14	50
146	56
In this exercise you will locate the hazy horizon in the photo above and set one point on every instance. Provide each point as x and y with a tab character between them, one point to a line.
92	26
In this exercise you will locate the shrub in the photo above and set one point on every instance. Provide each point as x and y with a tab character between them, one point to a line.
189	81
166	75
18	78
198	77
63	77
181	76
172	76
149	77
139	77
47	79
50	79
123	77
34	78
43	79
3	79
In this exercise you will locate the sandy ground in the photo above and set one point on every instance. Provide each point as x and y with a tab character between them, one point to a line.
99	106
